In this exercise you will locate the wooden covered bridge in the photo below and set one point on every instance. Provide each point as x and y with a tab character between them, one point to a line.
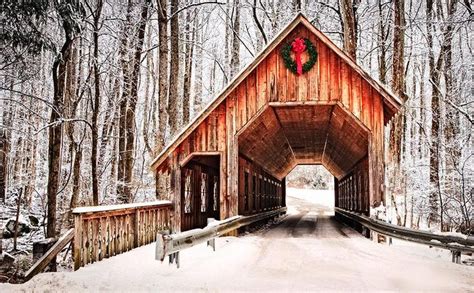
277	113
301	101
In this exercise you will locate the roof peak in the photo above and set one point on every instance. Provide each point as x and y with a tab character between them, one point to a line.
299	18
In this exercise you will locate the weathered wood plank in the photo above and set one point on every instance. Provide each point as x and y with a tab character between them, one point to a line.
102	238
261	84
324	75
77	249
335	71
50	254
346	82
366	115
108	252
251	98
281	80
272	69
113	239
356	95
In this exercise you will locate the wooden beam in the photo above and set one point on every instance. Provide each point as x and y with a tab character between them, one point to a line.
194	154
302	103
286	139
50	254
327	134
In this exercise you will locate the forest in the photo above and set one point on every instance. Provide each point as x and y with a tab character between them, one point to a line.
92	90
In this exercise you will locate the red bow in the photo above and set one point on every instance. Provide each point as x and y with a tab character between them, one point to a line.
298	46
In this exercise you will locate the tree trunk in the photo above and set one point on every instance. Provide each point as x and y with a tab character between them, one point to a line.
435	199
348	9
174	70
229	12
188	65
76	174
163	74
55	136
4	143
198	69
452	129
69	18
148	106
127	110
95	105
397	128
235	54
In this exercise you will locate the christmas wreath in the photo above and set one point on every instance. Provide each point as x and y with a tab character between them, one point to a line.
298	46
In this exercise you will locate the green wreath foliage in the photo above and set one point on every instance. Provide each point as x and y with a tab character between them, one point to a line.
291	64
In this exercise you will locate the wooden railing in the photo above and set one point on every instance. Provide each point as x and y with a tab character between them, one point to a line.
104	231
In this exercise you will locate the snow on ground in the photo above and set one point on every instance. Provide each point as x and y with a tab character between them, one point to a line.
323	199
306	251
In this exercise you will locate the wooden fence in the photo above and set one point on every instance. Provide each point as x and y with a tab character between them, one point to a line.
104	231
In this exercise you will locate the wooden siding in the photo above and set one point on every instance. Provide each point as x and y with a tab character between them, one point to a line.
258	190
352	191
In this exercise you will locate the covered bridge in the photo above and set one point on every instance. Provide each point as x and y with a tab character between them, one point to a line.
234	156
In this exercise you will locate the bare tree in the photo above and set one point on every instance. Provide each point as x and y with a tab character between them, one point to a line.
235	53
188	65
174	69
68	11
163	73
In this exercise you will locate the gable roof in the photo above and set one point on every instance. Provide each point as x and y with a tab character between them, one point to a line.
390	101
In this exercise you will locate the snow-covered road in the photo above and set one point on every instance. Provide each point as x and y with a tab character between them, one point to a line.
307	251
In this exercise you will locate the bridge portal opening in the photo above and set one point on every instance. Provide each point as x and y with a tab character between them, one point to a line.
283	136
312	184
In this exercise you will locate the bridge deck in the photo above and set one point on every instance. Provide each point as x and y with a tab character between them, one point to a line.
306	251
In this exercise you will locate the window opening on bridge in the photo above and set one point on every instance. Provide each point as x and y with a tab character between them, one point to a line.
203	192
265	190
246	190
188	191
215	194
254	191
260	193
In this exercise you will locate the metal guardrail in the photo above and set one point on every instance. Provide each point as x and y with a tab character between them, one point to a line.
456	244
170	245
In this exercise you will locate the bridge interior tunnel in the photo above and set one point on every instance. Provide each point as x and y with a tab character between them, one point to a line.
282	137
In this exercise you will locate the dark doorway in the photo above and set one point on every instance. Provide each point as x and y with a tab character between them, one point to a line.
200	191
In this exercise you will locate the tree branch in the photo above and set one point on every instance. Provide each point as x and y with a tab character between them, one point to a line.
193	5
259	25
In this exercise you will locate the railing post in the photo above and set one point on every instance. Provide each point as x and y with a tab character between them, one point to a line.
77	241
136	228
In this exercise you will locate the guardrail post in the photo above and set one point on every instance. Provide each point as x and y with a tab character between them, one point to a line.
174	257
374	236
170	245
365	232
211	242
456	256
